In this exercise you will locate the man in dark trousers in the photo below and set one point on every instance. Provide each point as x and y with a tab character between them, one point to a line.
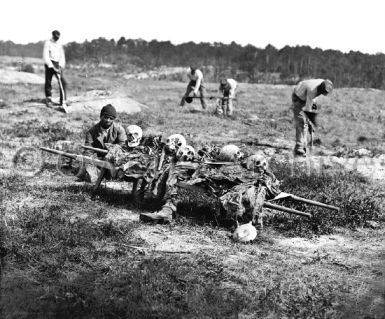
305	109
54	63
196	84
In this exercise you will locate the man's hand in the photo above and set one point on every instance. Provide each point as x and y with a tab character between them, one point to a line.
57	70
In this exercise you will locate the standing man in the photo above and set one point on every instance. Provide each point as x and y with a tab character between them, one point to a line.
196	84
227	88
54	63
106	131
305	108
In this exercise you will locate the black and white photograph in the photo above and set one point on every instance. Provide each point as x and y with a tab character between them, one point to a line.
187	160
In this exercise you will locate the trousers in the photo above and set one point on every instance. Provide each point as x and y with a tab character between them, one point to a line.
301	124
49	73
190	88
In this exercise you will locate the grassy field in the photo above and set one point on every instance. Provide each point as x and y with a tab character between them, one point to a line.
66	254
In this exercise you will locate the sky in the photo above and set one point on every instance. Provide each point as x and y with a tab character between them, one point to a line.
343	25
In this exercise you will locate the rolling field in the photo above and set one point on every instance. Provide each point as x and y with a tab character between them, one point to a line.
66	254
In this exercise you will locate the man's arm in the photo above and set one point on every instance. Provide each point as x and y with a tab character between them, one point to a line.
62	61
198	82
310	100
88	142
122	137
46	58
233	86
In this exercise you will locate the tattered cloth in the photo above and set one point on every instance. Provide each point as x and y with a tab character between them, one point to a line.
140	161
244	202
240	191
218	180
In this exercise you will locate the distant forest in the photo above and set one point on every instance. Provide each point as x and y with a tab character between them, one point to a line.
244	63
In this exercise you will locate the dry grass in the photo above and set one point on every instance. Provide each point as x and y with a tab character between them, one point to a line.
65	254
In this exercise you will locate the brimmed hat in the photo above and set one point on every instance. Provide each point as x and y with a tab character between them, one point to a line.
108	110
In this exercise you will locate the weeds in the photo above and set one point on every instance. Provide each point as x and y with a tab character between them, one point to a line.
48	132
65	255
357	199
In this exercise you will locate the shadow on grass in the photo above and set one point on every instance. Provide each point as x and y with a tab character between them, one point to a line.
153	287
35	100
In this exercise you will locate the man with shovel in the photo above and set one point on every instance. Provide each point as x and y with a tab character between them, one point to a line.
305	109
54	63
227	88
196	84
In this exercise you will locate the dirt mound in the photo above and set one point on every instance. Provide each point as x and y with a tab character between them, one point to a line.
122	104
14	77
93	101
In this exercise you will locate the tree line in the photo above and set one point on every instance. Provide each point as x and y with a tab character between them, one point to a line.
244	63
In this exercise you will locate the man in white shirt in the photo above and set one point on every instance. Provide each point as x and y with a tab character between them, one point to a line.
54	63
196	84
227	88
305	108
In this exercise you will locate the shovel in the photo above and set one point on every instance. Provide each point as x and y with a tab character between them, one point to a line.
64	105
189	99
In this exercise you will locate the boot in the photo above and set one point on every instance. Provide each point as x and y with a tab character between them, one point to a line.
48	102
163	216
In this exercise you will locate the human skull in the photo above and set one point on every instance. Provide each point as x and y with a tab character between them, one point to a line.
134	135
186	153
230	153
245	233
175	142
257	163
208	152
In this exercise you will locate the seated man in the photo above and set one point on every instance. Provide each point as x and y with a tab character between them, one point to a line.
106	131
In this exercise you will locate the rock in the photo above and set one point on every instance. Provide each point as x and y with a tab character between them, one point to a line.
372	224
361	152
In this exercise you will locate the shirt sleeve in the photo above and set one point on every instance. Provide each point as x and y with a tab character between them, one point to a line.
199	75
62	61
88	142
233	86
46	58
309	100
122	137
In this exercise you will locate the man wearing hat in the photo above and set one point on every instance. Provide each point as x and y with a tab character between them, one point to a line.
196	84
227	88
106	131
54	63
305	109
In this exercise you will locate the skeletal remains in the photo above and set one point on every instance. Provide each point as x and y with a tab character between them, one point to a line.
245	233
177	146
186	153
230	153
134	135
175	142
257	163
